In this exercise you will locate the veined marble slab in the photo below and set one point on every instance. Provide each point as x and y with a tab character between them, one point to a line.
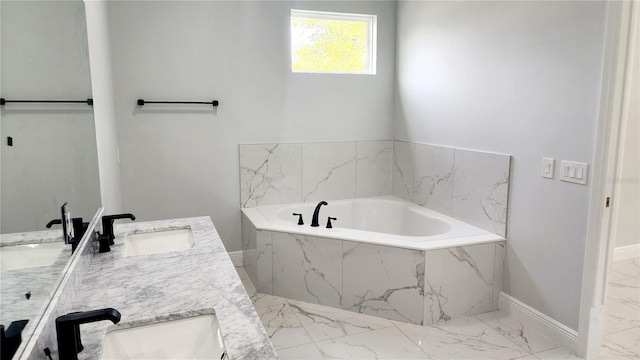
383	281
458	282
147	287
269	174
481	187
471	186
328	171
403	169
373	175
433	177
307	268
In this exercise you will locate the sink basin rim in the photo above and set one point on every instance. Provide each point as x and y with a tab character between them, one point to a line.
158	241
33	255
131	330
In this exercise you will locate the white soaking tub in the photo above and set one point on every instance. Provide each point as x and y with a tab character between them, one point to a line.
384	257
384	220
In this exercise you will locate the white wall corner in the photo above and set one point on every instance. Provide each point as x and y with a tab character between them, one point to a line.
539	322
237	258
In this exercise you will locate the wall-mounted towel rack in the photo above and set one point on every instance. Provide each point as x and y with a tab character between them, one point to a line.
142	102
88	101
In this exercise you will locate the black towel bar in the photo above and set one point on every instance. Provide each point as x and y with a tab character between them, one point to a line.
3	101
142	102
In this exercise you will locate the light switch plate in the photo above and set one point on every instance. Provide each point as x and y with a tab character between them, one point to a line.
548	165
574	172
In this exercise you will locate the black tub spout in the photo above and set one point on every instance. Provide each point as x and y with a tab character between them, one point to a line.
316	213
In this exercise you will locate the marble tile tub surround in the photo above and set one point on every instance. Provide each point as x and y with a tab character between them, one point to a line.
420	287
468	185
146	287
298	172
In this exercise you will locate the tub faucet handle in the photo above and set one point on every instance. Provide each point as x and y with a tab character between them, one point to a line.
300	222
329	226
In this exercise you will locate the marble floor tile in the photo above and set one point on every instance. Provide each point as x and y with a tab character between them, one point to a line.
619	317
515	330
616	276
527	357
465	338
630	267
626	342
263	300
558	353
612	352
387	343
301	352
626	291
622	312
323	322
282	326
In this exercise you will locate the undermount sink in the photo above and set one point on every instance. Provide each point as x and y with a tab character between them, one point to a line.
196	337
30	255
158	242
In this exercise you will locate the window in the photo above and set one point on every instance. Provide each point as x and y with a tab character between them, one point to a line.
327	42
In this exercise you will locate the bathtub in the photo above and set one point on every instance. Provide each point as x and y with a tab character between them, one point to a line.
384	257
384	220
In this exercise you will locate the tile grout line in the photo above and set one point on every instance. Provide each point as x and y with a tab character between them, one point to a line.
410	339
286	300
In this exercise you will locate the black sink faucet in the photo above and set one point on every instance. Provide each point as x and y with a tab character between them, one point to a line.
53	222
11	338
79	228
68	329
106	239
316	213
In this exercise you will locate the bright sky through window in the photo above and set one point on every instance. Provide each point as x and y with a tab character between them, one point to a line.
332	42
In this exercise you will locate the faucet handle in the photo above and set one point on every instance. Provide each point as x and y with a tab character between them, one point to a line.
329	226
300	222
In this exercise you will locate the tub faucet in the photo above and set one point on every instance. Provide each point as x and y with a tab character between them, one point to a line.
316	213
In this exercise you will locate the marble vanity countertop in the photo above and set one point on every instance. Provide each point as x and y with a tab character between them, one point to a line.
31	237
149	287
24	293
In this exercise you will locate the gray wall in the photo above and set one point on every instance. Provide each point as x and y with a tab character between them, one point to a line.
183	161
53	157
521	78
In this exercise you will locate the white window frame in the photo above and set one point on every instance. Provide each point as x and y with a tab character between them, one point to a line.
371	47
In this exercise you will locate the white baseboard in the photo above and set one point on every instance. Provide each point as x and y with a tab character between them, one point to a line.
540	322
236	258
626	252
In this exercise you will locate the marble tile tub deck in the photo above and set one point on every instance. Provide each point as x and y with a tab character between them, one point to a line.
301	330
419	286
182	283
